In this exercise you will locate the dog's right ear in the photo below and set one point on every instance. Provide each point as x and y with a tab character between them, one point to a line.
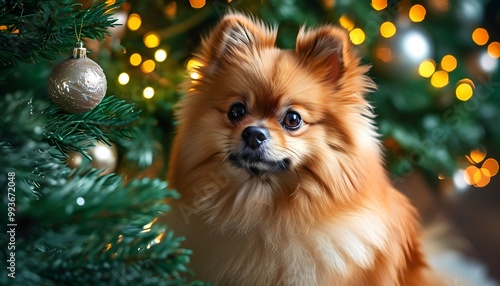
234	37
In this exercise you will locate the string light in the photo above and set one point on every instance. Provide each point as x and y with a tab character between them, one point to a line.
123	78
464	91
439	79
415	46
491	165
160	55
357	36
197	4
135	59
480	36
427	68
494	50
379	4
151	40
171	9
449	63
347	23
387	29
417	13
480	177
148	93
134	22
487	63
148	66
192	67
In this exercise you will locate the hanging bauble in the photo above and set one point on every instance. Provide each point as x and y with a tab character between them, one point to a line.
77	84
103	157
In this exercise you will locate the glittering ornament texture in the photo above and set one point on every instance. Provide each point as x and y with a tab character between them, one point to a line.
77	85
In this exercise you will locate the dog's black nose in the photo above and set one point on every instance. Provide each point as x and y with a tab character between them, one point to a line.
254	136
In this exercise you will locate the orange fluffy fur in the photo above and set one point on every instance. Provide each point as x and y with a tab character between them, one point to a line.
331	217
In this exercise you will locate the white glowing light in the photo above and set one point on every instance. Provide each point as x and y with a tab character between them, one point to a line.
415	46
459	182
80	201
487	63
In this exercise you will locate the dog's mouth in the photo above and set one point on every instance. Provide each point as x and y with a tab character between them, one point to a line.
258	165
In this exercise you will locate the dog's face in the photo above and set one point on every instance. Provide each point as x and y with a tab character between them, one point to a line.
293	120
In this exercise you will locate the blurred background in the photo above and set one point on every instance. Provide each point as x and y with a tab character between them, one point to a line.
437	104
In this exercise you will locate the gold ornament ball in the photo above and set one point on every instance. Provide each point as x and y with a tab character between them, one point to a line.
77	84
103	157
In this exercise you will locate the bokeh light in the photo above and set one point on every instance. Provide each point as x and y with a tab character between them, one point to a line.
379	4
494	50
357	36
134	22
151	40
347	23
135	59
160	55
148	92
491	165
469	174
427	68
487	63
464	91
477	156
439	79
148	66
480	36
197	3
387	29
123	78
417	13
449	63
415	46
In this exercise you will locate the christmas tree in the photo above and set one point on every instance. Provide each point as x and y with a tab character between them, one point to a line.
77	215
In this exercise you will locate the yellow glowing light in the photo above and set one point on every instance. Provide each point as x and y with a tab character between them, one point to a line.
480	36
193	64
107	247
197	3
417	13
151	40
123	78
464	91
491	165
110	2
120	238
134	22
148	66
357	36
439	79
494	50
469	174
481	178
160	55
387	29
135	59
477	155
449	63
347	23
379	4
148	93
426	68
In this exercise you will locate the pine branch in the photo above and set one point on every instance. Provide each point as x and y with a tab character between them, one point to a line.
42	29
78	132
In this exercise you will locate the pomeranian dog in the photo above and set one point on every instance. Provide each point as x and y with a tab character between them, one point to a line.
280	169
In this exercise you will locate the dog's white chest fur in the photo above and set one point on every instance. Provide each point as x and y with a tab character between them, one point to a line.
347	242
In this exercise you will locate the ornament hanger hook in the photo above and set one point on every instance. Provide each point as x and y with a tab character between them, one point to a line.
79	33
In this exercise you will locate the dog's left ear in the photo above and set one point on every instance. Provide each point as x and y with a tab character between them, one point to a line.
324	51
234	37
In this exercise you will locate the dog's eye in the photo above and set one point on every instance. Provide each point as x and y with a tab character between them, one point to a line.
236	111
292	120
